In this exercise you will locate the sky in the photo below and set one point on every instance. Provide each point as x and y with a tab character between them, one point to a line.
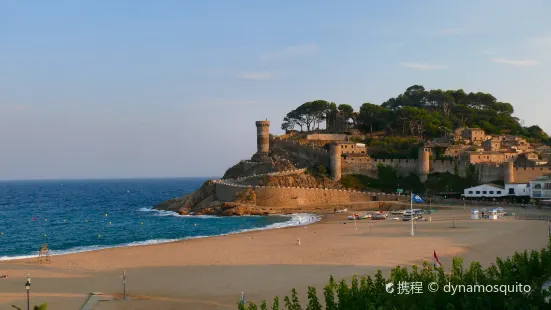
129	89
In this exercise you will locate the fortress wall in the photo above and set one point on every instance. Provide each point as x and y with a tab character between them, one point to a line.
404	166
273	196
322	155
443	166
358	165
294	197
326	137
490	172
524	175
226	192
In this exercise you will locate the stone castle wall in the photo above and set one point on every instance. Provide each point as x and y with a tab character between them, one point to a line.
524	175
368	166
276	196
326	137
487	172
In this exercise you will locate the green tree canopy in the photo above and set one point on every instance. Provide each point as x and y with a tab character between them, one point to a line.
421	113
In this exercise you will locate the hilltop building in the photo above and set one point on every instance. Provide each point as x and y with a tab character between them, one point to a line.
506	158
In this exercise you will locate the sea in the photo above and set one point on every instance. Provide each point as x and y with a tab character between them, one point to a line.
85	215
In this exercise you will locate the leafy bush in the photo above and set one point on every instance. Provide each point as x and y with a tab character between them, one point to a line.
39	307
527	268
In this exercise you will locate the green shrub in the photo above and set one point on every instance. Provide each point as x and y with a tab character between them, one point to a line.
532	269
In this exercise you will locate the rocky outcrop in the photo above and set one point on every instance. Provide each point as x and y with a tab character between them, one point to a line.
201	198
248	173
232	209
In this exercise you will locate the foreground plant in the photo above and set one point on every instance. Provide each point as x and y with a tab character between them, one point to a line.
516	273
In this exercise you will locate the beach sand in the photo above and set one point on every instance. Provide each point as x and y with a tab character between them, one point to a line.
211	273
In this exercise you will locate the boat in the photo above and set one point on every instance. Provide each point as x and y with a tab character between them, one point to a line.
398	212
412	214
366	216
379	216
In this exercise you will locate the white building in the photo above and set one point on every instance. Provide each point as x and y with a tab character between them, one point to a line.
541	187
517	189
485	190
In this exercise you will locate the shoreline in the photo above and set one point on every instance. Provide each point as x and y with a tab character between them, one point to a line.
149	242
265	263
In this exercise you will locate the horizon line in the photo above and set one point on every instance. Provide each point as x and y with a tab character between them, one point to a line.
107	179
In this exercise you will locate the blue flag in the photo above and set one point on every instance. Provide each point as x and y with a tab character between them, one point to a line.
417	199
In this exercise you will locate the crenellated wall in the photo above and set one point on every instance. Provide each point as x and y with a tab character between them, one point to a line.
326	137
490	172
276	196
404	166
358	165
524	175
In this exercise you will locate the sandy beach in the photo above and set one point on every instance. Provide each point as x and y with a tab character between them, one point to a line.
211	273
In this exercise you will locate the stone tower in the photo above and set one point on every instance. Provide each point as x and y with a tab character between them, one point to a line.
424	163
262	142
508	172
335	161
263	137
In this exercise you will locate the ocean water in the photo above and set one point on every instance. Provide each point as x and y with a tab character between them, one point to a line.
75	216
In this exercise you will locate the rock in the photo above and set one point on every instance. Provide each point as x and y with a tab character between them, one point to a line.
183	211
205	194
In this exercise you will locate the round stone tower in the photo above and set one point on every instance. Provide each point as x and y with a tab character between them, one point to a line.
263	137
335	153
509	172
424	163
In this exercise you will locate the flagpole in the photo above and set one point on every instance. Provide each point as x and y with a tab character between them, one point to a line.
411	213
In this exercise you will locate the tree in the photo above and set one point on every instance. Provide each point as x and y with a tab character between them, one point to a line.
370	114
346	110
294	118
417	95
318	109
420	113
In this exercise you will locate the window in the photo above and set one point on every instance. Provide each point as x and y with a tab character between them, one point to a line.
537	186
478	192
498	192
484	192
547	186
511	191
491	192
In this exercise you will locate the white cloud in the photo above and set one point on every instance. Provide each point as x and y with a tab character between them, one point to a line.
450	31
422	66
258	76
290	52
517	62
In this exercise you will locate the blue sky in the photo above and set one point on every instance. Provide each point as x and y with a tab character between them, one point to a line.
172	88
